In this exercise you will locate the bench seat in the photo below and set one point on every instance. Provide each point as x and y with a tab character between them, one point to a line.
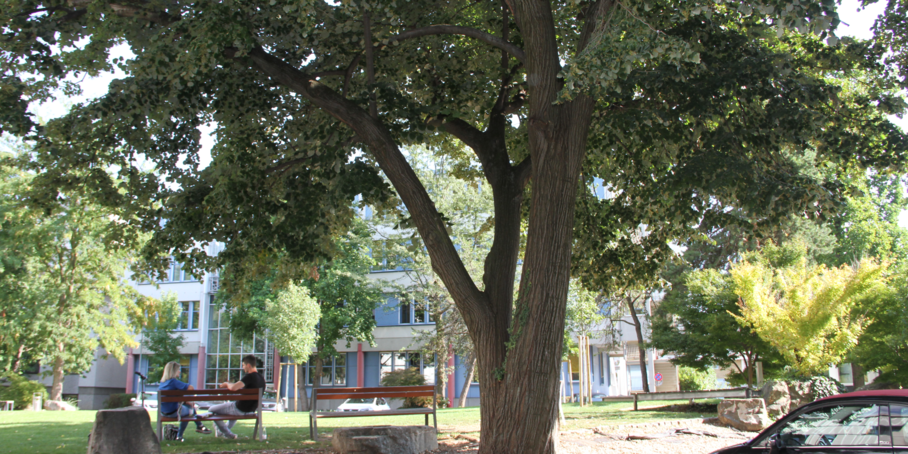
402	411
187	397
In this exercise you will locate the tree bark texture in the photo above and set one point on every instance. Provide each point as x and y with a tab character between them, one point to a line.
56	389
638	329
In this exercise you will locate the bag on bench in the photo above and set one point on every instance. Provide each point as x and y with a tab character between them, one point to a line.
171	431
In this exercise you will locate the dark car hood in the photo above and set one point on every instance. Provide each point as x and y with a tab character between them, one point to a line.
733	449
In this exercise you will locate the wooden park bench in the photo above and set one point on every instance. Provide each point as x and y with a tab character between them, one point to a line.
198	395
387	392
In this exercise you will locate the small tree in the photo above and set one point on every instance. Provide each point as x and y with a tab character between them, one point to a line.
803	310
159	338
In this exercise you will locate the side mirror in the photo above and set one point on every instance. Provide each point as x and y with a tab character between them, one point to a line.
776	445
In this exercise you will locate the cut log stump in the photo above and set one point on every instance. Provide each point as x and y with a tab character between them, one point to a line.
123	431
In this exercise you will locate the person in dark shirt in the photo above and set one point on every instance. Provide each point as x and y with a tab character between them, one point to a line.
169	381
252	380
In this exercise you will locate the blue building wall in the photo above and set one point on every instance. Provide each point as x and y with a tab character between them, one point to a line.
460	376
372	372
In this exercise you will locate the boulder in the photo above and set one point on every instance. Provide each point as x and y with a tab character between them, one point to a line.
800	393
778	401
744	414
385	440
58	405
121	431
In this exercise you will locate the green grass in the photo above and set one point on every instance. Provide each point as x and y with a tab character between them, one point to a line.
67	432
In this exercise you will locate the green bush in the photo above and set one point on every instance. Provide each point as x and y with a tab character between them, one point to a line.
20	390
692	379
119	400
407	377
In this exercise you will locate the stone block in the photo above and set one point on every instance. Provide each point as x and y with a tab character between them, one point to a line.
778	401
123	431
385	440
744	414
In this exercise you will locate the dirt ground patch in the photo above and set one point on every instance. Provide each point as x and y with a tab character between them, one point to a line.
604	439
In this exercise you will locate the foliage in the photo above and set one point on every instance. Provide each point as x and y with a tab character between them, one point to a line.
407	377
884	343
70	256
686	110
21	390
803	310
692	379
158	337
119	400
291	321
346	299
696	322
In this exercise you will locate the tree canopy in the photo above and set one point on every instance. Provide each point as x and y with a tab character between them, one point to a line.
688	111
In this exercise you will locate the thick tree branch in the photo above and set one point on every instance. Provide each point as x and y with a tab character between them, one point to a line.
445	260
523	171
487	38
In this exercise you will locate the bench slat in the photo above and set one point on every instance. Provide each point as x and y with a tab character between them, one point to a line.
177	392
211	418
344	414
361	395
190	398
326	391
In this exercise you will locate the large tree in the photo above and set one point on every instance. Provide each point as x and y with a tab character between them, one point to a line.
681	107
68	259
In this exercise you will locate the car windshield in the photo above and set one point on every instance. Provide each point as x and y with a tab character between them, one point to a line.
360	401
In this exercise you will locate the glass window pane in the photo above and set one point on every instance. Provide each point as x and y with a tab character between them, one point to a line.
419	313
194	316
385	359
400	361
404	314
223	341
340	375
234	376
851	425
222	375
211	376
212	341
326	375
211	362
413	360
234	361
259	344
898	419
340	360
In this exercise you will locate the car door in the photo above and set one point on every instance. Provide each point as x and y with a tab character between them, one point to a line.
898	421
839	428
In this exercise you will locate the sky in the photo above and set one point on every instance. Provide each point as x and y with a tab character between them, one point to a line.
856	22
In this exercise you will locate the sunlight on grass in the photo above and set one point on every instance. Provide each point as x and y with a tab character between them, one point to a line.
67	432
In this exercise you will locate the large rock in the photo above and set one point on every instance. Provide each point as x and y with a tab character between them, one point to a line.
800	393
744	414
385	440
123	431
778	401
58	405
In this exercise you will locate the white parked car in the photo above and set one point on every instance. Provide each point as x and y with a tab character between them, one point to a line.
366	404
151	400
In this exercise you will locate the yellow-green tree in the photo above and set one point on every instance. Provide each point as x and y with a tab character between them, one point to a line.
806	310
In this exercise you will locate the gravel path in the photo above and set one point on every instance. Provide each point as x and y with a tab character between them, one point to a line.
613	439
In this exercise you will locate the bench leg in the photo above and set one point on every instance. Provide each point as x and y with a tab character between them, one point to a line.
160	433
427	419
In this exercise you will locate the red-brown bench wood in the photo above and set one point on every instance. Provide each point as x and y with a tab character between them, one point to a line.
199	395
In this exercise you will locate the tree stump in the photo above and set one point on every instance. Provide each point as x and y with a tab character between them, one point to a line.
123	431
385	440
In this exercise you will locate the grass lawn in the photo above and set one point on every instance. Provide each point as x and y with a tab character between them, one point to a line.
67	432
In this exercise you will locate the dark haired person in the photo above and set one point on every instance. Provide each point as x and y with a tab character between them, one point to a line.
252	380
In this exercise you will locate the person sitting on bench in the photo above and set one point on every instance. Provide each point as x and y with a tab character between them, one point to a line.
170	381
252	380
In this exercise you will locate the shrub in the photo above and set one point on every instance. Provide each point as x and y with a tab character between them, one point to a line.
20	390
692	379
407	377
119	400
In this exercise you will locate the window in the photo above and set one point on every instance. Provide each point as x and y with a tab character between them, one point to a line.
390	362
225	352
334	371
845	375
416	313
575	367
601	368
843	425
189	315
898	421
176	273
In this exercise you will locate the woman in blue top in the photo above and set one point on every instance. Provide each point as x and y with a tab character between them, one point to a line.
169	381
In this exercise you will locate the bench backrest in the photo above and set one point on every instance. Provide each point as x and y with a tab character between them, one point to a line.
382	391
199	395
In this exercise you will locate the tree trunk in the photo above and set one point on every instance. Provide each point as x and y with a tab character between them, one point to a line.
302	398
18	362
638	329
317	376
466	385
56	389
857	374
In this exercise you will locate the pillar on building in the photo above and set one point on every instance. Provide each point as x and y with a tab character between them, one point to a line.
276	367
200	375
451	385
130	371
360	366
